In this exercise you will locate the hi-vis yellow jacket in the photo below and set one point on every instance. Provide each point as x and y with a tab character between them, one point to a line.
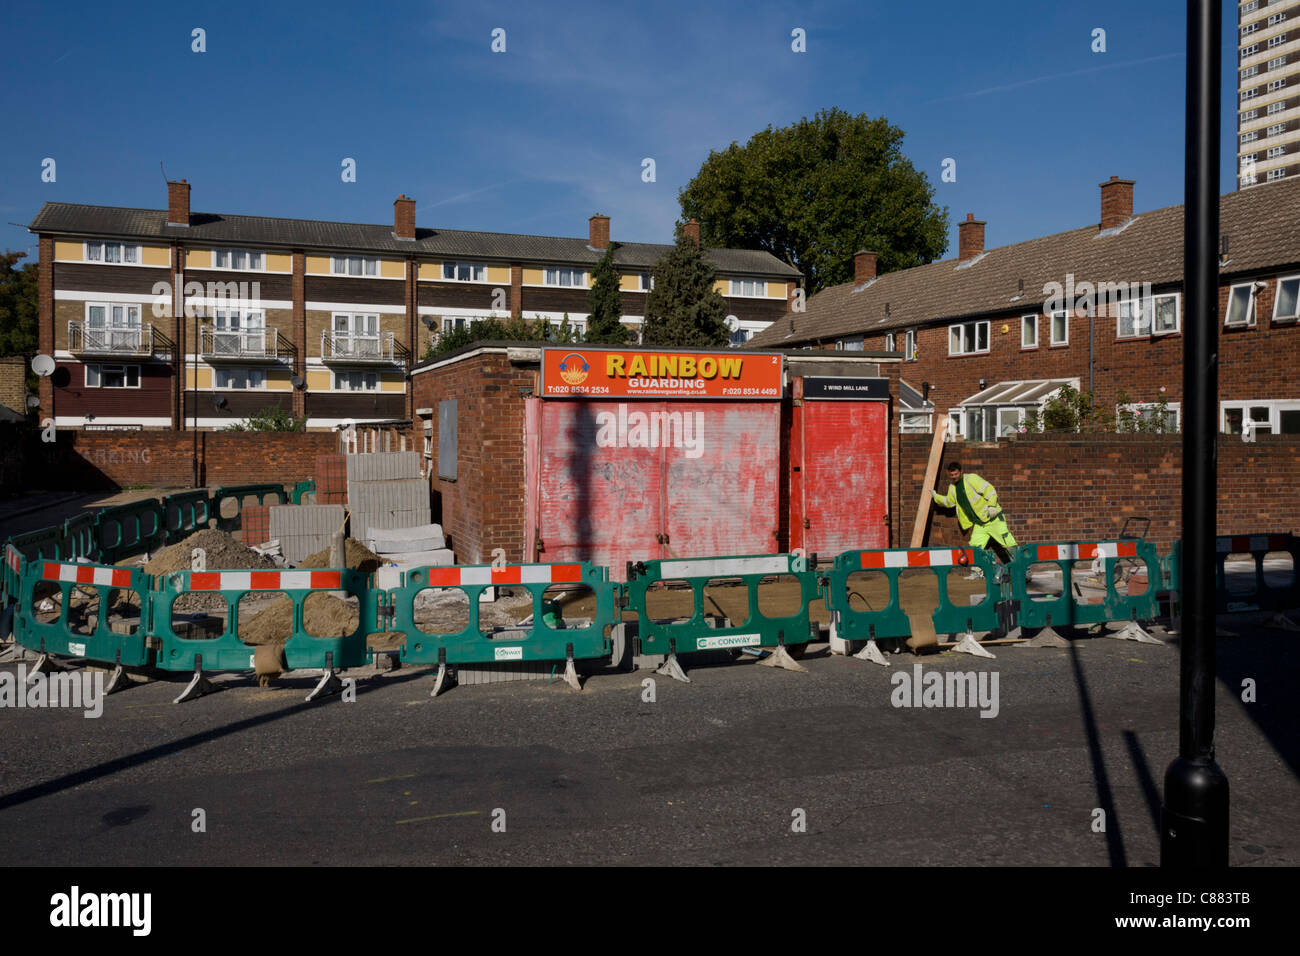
983	498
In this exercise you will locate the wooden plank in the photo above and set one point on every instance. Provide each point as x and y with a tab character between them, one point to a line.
931	473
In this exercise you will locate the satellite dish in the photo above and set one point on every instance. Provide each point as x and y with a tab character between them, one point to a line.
33	401
43	365
733	323
429	321
296	381
218	401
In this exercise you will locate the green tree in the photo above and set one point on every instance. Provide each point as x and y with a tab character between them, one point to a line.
19	305
605	305
816	192
273	418
683	308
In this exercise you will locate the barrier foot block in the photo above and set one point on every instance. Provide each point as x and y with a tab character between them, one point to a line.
117	680
571	674
443	681
1046	637
1282	623
197	687
968	645
670	668
329	684
46	664
780	657
871	652
14	652
1133	631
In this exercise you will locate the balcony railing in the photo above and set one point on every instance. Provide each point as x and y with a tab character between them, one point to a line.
217	343
338	346
109	340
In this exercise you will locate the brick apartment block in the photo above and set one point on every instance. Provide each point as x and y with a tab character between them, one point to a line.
322	319
983	343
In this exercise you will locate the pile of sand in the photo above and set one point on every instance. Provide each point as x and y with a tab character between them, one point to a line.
223	553
357	557
324	615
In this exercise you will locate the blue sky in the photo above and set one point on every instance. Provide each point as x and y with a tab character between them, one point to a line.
539	137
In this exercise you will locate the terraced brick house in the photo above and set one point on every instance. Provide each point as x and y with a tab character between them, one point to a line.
991	335
321	319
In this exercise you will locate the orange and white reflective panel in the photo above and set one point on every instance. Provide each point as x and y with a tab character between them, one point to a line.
264	580
87	574
1085	552
507	574
927	558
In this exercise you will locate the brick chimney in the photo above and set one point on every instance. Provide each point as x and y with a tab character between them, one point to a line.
970	237
691	229
178	203
404	217
864	266
598	230
1116	202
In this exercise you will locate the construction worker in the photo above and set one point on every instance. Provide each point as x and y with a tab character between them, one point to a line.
976	501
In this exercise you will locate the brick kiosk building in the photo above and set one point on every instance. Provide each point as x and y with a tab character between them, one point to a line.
983	341
321	319
557	477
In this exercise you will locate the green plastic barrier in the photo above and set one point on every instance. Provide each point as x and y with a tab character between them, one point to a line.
546	638
1065	608
224	651
96	642
238	493
307	487
81	537
42	543
128	529
693	633
1263	596
853	621
10	575
185	513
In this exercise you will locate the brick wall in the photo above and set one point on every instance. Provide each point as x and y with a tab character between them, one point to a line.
1075	488
490	454
98	460
13	383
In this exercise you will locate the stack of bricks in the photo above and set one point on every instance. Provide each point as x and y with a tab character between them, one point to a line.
331	480
255	524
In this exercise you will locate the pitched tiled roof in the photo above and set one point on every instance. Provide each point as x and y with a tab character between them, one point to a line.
1262	225
63	218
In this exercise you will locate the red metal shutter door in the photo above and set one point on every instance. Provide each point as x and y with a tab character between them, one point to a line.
845	476
722	496
598	504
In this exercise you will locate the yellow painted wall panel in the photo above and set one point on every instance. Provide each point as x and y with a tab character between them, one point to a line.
198	258
630	283
318	379
498	274
392	383
430	271
205	377
318	265
392	268
532	276
277	262
277	380
722	286
155	256
64	249
776	290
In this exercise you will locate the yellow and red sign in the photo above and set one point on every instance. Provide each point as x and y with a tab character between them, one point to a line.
644	373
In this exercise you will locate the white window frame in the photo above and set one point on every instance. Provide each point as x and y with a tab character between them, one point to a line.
1275	409
1138	407
1275	107
369	380
477	271
1276	62
1275	174
1250	137
1051	327
250	376
907	422
1276	84
645	281
229	258
366	264
738	288
128	253
1277	129
1025	325
554	276
97	370
1249	72
971	328
451	323
1277	18
889	342
1277	299
909	345
1275	41
1275	151
1250	94
1250	28
1248	115
1250	306
1144	322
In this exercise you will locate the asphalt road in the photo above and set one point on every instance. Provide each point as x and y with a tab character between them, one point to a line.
709	773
